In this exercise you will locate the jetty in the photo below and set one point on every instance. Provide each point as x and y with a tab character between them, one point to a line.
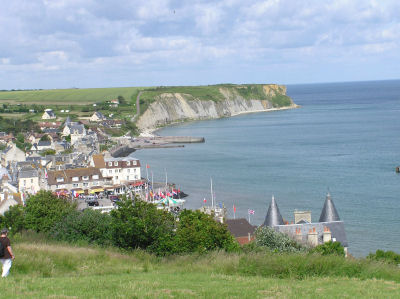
126	146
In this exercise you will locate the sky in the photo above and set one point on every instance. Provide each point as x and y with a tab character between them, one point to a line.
109	43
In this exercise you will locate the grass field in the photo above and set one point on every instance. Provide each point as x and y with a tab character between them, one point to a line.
54	270
67	96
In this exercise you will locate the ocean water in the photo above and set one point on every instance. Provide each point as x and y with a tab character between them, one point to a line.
345	138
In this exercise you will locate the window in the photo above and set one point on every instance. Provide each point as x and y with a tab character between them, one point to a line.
85	184
135	170
129	170
75	185
116	163
128	163
95	183
32	181
75	179
134	163
60	179
127	177
109	163
96	177
85	177
24	182
110	171
116	177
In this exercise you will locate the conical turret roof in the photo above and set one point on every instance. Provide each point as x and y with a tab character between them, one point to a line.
273	217
329	212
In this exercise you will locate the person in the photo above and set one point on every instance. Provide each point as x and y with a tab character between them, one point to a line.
8	257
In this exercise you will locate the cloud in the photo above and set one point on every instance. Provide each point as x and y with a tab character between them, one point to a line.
75	37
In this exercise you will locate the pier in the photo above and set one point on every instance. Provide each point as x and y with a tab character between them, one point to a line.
126	146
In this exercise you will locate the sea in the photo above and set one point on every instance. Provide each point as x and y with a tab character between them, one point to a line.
344	139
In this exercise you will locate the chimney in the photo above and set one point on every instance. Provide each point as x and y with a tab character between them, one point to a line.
298	237
327	236
312	237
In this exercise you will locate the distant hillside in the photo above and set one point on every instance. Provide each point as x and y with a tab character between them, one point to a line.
55	270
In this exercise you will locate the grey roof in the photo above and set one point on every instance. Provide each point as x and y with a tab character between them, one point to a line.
100	115
27	174
240	227
51	130
329	212
67	121
44	143
77	127
336	228
50	113
273	217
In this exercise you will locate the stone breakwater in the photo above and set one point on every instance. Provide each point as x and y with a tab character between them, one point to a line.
171	108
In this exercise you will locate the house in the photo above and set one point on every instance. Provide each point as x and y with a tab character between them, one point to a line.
48	114
61	146
114	103
49	125
11	154
97	116
77	181
43	145
28	181
122	172
5	138
303	230
241	229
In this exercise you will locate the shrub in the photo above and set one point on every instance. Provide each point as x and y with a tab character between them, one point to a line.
386	256
14	219
199	232
330	248
89	226
44	210
138	224
276	241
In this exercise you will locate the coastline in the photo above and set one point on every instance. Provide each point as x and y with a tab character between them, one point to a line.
150	132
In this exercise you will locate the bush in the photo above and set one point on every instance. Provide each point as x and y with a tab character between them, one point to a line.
390	257
276	241
330	248
44	210
14	219
89	226
138	224
199	232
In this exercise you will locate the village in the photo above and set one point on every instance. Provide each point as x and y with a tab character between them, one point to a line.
77	160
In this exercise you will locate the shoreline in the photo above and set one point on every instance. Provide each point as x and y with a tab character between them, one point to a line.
150	132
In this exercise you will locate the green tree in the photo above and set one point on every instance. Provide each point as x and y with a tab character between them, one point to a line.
199	232
89	225
122	100
45	137
44	210
48	152
330	248
138	224
14	219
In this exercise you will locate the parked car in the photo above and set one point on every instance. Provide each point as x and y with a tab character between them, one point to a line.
92	203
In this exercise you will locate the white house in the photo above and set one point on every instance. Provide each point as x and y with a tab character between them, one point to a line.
10	154
48	114
122	171
28	181
97	116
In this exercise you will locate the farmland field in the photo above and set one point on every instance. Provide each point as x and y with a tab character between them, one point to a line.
67	96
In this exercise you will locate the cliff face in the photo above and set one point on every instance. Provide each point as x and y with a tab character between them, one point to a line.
174	107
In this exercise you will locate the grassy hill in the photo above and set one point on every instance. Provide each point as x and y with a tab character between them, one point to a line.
66	96
45	269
